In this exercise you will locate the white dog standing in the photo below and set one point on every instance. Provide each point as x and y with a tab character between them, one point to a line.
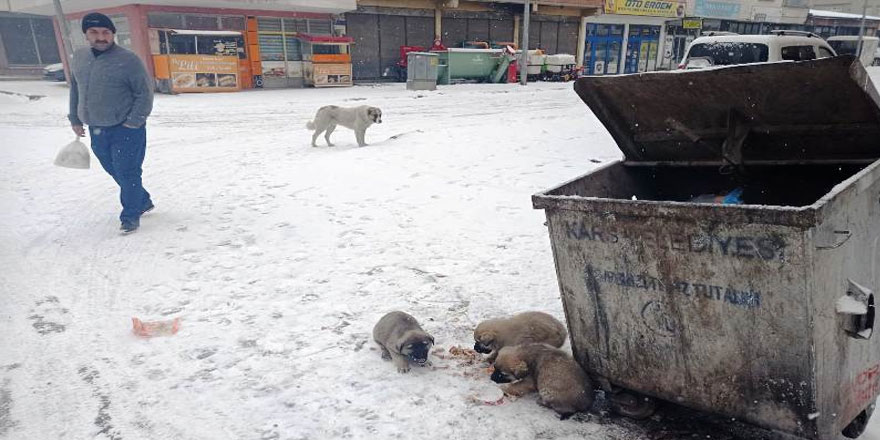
355	118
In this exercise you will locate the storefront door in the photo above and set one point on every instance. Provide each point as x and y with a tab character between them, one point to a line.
602	49
641	48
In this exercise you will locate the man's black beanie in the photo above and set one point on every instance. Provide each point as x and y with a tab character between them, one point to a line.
97	19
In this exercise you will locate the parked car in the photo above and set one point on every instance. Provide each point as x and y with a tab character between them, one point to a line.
54	72
849	45
726	49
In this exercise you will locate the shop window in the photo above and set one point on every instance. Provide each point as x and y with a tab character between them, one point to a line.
327	49
181	44
711	25
320	27
271	48
164	20
44	34
798	53
201	22
296	25
17	38
232	23
221	45
268	24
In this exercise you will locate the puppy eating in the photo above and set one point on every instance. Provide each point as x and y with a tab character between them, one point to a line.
560	382
402	340
524	328
356	118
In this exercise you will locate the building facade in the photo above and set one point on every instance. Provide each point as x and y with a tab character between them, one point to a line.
380	28
232	45
848	6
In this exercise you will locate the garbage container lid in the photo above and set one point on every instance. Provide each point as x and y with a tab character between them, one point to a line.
824	110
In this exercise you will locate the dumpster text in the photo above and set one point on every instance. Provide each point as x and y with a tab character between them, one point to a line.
741	297
862	390
765	248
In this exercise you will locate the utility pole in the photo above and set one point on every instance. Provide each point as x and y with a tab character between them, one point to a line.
862	30
65	32
524	61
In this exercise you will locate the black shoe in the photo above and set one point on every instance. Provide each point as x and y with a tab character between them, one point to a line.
129	226
148	208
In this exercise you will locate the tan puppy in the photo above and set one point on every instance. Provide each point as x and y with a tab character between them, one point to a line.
402	340
524	328
561	383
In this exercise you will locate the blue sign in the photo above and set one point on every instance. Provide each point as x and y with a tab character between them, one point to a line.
709	9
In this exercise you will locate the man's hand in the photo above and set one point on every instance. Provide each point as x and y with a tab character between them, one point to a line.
79	130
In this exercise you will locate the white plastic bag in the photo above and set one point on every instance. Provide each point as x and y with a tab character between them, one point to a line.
74	155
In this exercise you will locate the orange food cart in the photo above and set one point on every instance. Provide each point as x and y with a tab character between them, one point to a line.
198	61
330	60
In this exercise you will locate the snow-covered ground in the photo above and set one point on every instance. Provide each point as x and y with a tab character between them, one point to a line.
279	258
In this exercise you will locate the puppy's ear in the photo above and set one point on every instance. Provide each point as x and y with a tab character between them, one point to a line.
488	337
520	370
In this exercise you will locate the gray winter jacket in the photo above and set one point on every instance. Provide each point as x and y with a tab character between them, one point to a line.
111	89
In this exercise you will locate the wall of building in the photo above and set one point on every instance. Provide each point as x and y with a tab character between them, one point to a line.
848	6
381	27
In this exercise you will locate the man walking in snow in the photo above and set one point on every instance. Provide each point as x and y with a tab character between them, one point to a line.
111	92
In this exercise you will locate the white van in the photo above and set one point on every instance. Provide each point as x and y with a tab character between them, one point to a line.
848	45
726	49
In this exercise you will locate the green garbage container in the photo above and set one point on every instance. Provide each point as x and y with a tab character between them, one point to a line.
470	64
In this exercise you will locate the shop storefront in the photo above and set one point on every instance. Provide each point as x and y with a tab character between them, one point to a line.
195	49
679	34
630	37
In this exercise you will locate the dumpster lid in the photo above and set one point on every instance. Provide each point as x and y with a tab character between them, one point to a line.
816	111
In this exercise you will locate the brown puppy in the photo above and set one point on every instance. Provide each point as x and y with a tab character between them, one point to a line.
402	340
561	383
524	328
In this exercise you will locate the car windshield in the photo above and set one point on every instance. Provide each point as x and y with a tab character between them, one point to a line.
728	53
844	47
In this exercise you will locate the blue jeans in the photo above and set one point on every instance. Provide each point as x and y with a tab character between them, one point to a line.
121	152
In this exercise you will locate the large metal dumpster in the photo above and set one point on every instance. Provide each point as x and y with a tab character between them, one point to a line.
762	311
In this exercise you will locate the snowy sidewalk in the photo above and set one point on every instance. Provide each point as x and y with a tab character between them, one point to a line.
279	258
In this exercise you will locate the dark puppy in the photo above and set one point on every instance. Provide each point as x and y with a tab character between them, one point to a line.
402	340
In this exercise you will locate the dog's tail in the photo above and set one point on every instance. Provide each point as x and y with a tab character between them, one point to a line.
310	125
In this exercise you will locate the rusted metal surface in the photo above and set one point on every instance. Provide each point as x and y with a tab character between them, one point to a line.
731	309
